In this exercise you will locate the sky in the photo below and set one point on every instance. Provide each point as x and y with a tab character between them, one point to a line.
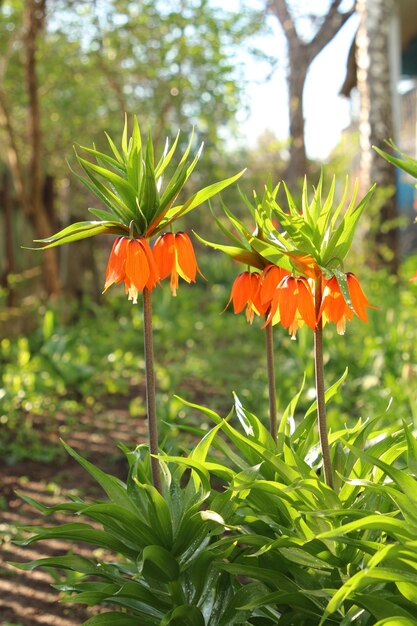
326	112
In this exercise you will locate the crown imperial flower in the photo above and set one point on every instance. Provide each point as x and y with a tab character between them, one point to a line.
334	307
246	292
293	304
271	278
131	261
174	254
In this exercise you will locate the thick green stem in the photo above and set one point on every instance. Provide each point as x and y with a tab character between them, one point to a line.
150	388
269	337
321	403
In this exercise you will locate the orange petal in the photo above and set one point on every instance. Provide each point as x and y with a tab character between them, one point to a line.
271	277
241	292
359	300
287	301
305	303
164	254
153	269
115	271
187	263
137	266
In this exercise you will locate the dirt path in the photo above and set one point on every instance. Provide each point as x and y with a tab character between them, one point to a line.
26	598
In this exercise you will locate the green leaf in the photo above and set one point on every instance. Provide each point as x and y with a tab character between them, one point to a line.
123	524
81	230
70	562
159	565
394	527
113	487
111	618
406	163
125	190
78	532
198	198
329	393
184	615
396	620
247	257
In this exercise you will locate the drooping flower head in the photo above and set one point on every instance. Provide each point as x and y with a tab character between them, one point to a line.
334	307
246	292
292	304
131	261
174	254
271	278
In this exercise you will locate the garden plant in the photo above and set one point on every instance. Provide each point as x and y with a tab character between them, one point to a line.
264	522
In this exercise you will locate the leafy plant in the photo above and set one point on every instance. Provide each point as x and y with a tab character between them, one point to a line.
246	532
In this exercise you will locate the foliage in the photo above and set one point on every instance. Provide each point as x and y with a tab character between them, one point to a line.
136	201
176	64
70	364
247	532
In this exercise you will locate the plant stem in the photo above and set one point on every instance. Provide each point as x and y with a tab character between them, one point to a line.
150	388
321	403
269	337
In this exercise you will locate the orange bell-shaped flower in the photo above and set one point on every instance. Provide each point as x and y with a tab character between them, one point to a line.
334	307
271	278
246	293
174	254
293	304
131	261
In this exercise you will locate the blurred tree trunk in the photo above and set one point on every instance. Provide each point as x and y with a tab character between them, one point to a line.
375	85
300	56
34	20
10	266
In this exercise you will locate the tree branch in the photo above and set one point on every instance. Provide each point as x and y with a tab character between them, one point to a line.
282	12
333	22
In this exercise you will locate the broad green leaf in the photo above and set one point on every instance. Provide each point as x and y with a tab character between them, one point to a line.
113	487
121	185
184	615
159	565
396	620
123	524
198	198
406	163
111	618
81	230
380	607
394	527
100	156
78	532
247	257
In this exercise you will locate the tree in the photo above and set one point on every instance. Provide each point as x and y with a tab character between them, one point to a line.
376	118
29	184
71	69
301	53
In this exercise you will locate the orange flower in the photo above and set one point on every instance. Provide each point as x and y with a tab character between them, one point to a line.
174	254
271	278
246	292
131	261
413	278
334	307
293	304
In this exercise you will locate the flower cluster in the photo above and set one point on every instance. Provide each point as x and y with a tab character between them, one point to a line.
294	300
133	262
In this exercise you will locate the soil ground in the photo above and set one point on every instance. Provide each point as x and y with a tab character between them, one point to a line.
27	598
